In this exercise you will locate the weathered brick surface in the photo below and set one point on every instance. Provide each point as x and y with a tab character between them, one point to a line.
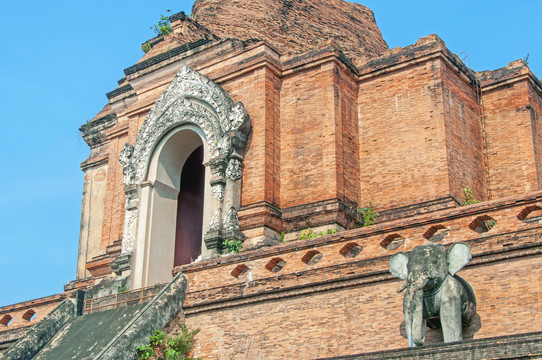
512	106
19	325
294	26
321	127
403	131
342	306
308	137
425	118
463	128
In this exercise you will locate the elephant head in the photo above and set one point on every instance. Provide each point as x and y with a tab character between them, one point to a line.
434	291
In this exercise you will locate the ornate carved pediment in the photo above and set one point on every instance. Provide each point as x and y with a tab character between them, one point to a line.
191	98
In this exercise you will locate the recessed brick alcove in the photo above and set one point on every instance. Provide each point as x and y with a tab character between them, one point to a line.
532	213
483	224
392	242
6	320
312	257
436	233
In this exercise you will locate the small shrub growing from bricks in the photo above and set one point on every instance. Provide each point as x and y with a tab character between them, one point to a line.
233	246
368	213
469	198
162	346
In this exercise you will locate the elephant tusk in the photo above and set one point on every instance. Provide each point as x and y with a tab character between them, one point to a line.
403	287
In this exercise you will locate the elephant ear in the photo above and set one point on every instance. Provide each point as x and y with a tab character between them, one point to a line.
398	265
458	256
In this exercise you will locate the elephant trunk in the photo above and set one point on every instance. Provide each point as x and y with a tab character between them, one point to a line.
413	312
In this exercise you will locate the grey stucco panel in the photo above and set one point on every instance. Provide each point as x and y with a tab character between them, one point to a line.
156	315
36	338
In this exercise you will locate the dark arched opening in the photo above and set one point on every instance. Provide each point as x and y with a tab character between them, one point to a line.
190	209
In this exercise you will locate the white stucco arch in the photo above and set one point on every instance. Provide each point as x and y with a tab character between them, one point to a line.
193	110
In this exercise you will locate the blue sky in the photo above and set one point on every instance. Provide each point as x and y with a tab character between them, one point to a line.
59	59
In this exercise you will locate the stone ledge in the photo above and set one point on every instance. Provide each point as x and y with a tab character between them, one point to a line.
518	70
33	303
417	209
524	346
164	56
119	91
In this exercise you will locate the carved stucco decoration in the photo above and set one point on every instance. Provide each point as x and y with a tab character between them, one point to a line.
231	221
130	220
125	159
218	191
191	98
234	170
214	224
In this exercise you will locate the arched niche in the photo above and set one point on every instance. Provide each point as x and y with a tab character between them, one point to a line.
191	112
155	254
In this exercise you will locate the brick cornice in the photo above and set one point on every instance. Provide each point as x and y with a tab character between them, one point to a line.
33	303
367	271
382	228
426	49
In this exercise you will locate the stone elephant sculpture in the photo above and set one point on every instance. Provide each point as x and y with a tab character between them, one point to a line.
433	290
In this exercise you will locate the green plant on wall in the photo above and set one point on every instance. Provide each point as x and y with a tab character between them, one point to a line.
146	47
308	233
157	339
368	213
233	246
162	346
85	128
332	231
181	345
163	27
145	352
469	198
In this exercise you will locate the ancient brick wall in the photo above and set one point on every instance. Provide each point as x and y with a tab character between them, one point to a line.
345	89
401	116
252	89
295	26
17	319
511	99
463	128
308	145
347	305
535	107
403	132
